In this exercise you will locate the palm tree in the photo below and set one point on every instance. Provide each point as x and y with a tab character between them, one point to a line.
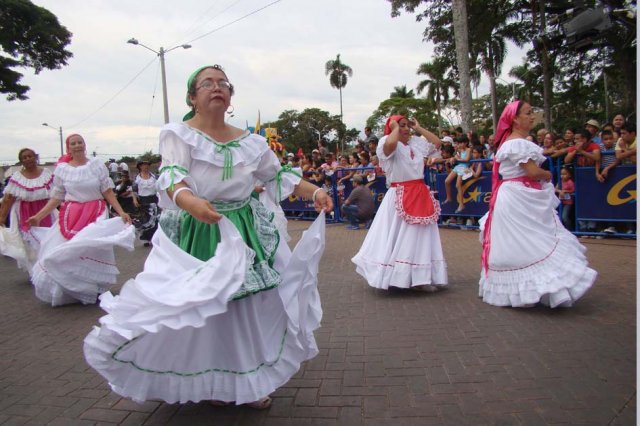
338	72
437	85
461	36
402	92
490	41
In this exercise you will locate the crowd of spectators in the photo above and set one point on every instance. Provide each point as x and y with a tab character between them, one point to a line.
464	156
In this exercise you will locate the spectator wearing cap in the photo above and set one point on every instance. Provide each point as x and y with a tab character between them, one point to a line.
315	155
593	127
359	206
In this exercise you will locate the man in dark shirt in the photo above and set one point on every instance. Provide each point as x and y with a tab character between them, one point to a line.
359	206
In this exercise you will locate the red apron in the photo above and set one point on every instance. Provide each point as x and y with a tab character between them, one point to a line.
415	203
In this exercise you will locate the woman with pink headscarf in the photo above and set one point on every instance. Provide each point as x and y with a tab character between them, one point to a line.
76	262
402	248
528	256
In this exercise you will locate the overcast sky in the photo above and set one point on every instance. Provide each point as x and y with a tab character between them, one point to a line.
275	58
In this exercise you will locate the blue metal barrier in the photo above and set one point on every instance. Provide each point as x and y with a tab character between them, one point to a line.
611	202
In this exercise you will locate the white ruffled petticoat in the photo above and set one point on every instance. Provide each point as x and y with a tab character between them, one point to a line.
533	258
82	268
21	246
172	333
397	254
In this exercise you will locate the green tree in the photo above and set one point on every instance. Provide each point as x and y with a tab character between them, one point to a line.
402	92
422	109
338	73
304	129
437	85
30	37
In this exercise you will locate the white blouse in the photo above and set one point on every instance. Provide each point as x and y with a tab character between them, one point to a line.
399	166
25	189
515	152
81	184
191	156
146	187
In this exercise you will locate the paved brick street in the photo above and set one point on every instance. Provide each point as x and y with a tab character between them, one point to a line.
392	358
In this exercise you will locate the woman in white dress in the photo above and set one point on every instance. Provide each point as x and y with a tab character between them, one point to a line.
76	262
223	310
528	257
147	198
25	194
402	248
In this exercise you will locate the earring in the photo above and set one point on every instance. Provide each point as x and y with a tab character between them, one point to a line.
232	109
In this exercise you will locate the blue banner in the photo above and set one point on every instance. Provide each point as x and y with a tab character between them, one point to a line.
613	199
476	195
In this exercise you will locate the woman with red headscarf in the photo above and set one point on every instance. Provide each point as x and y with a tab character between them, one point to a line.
528	257
402	248
76	261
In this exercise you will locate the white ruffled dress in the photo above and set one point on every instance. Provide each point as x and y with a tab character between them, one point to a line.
82	268
179	331
394	252
533	258
22	245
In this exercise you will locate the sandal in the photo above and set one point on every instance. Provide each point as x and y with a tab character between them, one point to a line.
261	404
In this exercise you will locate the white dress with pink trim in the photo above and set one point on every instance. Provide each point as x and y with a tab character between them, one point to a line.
19	241
533	258
80	268
397	251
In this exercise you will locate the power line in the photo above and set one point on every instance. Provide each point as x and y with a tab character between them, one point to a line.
234	21
214	17
114	96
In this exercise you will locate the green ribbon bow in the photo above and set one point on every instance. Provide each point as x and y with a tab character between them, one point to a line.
227	168
285	169
172	173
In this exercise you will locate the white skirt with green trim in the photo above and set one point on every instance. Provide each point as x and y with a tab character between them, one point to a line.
173	334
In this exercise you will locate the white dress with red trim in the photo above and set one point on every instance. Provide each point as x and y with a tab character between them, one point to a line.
20	241
76	261
191	329
532	257
402	248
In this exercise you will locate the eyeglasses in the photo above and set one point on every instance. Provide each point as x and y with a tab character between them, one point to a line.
210	85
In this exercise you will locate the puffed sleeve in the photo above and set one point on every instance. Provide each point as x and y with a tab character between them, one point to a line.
176	160
380	151
424	147
57	188
519	151
103	176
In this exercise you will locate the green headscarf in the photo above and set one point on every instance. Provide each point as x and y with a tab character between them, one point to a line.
190	81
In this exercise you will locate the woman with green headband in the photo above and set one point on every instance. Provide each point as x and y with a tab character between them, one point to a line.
224	310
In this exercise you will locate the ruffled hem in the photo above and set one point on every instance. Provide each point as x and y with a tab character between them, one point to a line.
26	189
127	379
155	308
558	280
401	274
80	269
252	146
520	151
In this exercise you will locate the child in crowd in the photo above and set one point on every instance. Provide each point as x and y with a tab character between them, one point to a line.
565	189
607	161
477	154
462	157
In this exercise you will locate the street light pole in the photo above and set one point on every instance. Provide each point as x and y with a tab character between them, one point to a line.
161	54
59	130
